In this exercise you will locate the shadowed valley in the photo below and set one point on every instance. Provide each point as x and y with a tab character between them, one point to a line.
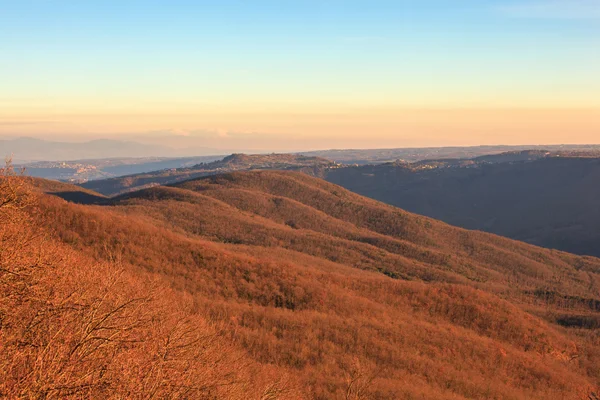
542	198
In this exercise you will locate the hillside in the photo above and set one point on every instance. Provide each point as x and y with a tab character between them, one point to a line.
549	201
354	298
234	162
74	326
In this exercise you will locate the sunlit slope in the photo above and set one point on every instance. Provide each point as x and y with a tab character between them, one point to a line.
295	207
336	288
76	325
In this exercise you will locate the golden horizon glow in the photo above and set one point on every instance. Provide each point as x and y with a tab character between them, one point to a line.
347	127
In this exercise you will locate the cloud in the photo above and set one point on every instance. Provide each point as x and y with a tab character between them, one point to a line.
553	9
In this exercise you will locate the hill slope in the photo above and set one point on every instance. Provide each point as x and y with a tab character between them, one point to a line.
550	202
354	297
73	326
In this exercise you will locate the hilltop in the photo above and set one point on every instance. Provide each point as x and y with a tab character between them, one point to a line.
352	296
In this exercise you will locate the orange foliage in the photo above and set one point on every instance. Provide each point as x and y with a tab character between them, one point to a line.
73	327
356	299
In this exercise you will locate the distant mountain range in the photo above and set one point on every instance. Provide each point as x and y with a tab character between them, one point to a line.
377	156
26	150
31	149
103	159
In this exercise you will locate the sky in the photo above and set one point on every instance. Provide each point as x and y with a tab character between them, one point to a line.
302	74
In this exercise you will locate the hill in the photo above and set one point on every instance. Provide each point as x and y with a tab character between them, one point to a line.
74	326
65	191
234	162
352	297
544	199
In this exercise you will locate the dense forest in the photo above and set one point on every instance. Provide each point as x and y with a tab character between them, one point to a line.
272	284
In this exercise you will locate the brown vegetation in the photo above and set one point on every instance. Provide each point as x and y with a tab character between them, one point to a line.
73	327
356	299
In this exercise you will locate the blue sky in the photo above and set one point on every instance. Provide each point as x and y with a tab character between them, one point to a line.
60	58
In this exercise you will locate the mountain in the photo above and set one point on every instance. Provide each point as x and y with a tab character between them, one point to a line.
313	287
543	198
31	149
234	162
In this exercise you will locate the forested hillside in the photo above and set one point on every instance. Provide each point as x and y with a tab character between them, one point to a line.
550	202
76	326
278	284
335	295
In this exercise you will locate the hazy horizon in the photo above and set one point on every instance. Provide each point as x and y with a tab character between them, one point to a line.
199	143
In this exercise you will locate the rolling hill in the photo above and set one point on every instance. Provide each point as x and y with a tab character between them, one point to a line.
73	326
344	296
550	200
